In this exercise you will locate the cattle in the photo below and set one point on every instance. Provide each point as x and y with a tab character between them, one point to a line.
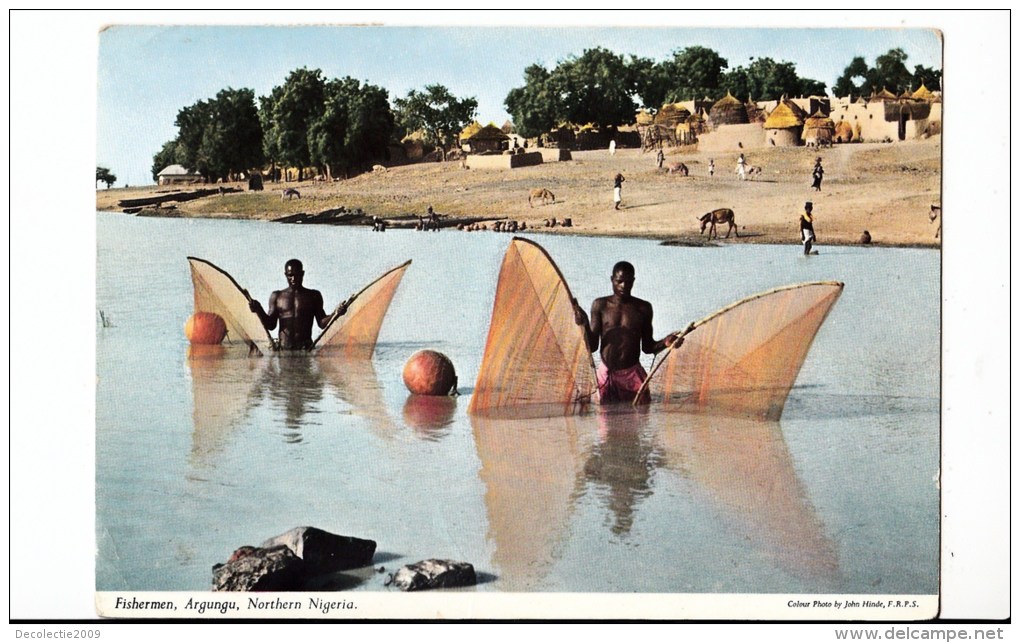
290	193
678	168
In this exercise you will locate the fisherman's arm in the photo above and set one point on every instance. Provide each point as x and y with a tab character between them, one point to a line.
591	337
268	319
648	343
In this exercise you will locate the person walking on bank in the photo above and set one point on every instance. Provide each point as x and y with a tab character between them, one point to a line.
618	190
659	159
711	167
742	168
817	174
807	229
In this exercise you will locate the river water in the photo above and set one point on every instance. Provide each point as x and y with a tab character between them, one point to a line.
199	454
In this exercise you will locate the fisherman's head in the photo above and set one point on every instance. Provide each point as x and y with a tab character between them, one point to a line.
623	278
294	272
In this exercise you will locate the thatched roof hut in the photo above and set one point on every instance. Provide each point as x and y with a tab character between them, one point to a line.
883	96
922	93
508	128
672	114
728	111
819	128
644	117
470	130
784	117
844	132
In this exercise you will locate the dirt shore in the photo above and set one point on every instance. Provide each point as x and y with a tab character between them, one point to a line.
886	189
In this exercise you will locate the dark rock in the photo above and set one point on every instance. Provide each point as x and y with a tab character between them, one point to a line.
253	569
325	552
434	573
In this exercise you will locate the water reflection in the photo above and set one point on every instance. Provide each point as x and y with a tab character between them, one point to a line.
227	384
746	471
529	470
431	416
621	463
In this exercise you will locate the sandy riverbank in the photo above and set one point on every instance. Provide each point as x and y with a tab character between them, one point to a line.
887	189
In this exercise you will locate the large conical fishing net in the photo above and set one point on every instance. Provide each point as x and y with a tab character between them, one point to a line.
536	360
355	333
743	360
217	292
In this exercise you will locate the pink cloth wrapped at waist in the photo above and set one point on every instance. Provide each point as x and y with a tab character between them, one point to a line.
621	385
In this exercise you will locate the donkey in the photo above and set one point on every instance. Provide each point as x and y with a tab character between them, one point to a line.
720	216
541	194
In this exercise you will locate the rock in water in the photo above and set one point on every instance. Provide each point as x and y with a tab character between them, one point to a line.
324	552
434	573
253	569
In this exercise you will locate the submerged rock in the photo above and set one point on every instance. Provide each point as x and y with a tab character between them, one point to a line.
324	552
434	573
257	569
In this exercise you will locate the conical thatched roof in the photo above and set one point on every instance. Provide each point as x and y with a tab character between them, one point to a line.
644	117
844	131
488	133
922	93
728	111
508	128
818	120
884	95
783	117
473	128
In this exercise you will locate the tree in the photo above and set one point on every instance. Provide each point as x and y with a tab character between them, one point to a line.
766	79
287	115
693	73
216	138
355	126
854	78
164	157
890	72
650	81
437	112
535	107
106	176
930	78
595	88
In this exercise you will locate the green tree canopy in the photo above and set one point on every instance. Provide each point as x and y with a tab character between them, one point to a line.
596	87
354	127
437	112
766	79
930	78
215	138
890	72
692	73
854	78
106	176
288	113
535	107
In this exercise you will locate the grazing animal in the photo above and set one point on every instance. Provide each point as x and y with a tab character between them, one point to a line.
678	168
753	171
290	193
720	216
936	210
541	194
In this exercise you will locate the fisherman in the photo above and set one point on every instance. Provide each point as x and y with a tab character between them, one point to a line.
620	327
295	308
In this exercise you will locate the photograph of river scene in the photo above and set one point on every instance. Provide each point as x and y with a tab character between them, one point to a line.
357	149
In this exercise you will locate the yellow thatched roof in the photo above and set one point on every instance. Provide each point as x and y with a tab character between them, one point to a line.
922	93
885	94
818	120
845	131
782	117
472	129
727	102
489	132
644	117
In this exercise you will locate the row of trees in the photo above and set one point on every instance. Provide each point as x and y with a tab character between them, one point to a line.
340	125
335	125
606	88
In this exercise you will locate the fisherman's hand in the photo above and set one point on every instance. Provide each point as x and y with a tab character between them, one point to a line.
580	317
341	310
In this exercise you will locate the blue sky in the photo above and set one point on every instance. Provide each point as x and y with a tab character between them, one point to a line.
146	73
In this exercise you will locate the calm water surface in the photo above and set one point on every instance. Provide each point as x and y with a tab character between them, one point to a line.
200	453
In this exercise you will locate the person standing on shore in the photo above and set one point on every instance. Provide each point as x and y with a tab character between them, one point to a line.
807	228
612	147
659	159
742	168
817	174
618	190
711	167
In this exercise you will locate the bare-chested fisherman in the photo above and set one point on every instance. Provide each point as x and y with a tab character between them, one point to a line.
621	327
295	308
